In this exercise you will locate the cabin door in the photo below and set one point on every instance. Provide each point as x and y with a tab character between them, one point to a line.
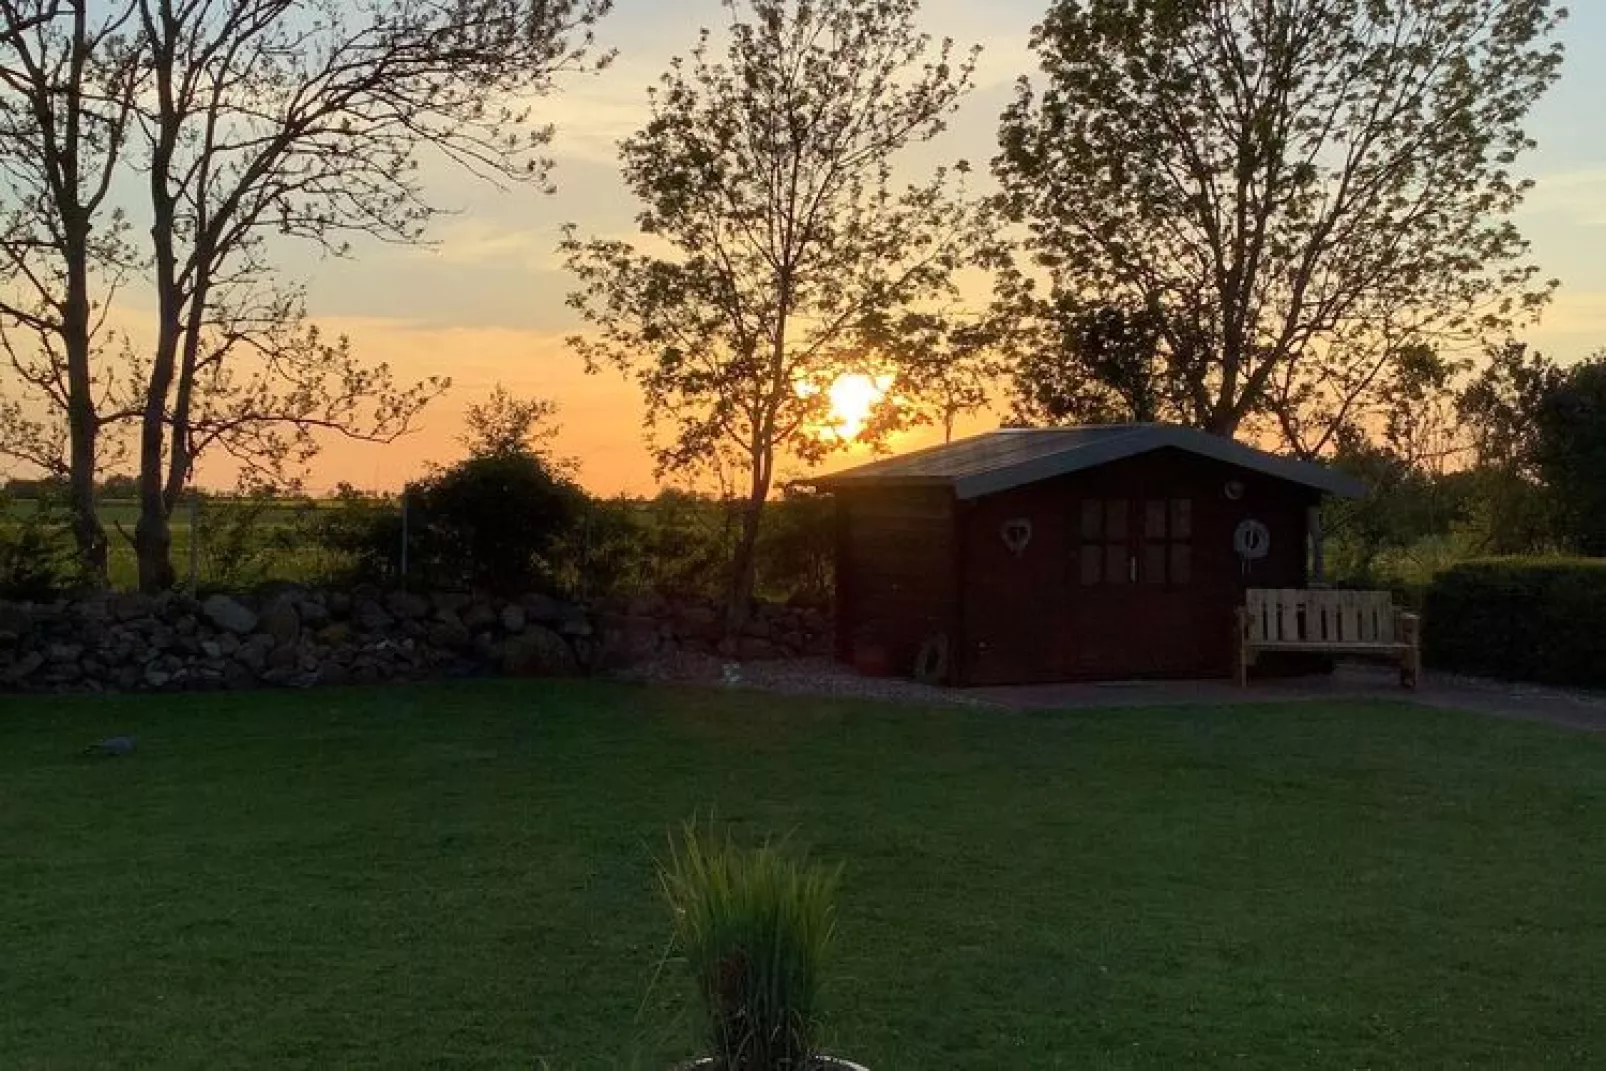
1131	604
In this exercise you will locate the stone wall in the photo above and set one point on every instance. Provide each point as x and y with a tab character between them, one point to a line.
295	637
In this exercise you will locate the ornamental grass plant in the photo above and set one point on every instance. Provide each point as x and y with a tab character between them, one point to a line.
754	927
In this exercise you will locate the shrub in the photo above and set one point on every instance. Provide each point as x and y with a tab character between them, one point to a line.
797	548
678	544
1535	619
243	543
36	550
754	926
363	534
489	523
674	544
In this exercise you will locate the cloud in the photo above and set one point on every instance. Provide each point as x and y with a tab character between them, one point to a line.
467	240
601	415
1578	195
1574	325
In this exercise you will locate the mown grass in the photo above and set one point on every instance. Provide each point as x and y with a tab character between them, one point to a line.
461	876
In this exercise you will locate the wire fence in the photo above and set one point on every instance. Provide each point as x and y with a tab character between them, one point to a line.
227	542
671	544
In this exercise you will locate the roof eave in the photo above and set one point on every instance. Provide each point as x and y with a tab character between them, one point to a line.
1142	441
844	482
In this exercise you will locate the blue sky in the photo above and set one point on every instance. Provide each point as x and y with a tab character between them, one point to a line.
486	304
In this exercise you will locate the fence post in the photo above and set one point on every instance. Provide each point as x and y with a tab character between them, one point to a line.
195	542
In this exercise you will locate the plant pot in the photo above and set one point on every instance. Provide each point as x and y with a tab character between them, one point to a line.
825	1063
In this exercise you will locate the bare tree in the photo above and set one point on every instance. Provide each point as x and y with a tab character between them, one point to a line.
67	82
772	231
1300	189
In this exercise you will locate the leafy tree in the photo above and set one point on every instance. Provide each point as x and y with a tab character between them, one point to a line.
772	232
503	424
1499	414
500	519
1078	365
306	119
797	549
1570	452
1406	503
944	365
1299	189
1500	407
1415	402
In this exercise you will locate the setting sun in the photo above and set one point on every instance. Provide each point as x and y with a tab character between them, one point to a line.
853	398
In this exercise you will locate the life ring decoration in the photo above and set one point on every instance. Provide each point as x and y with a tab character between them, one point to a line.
1016	534
1252	540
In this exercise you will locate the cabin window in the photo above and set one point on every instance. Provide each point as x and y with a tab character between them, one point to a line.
1105	551
1167	541
1147	541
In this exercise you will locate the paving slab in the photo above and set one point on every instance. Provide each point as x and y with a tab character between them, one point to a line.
1568	708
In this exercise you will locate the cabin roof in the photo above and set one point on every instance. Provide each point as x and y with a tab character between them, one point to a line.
1013	457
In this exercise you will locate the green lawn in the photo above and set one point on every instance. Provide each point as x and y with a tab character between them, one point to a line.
460	876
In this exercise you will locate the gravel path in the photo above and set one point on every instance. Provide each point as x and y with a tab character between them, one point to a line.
810	677
1567	708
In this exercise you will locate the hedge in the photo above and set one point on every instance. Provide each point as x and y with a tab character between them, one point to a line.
1530	619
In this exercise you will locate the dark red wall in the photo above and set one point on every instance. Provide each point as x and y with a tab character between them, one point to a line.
897	559
1027	618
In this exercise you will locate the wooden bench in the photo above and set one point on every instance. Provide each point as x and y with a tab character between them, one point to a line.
1326	622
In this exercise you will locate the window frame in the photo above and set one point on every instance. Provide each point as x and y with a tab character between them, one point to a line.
1133	533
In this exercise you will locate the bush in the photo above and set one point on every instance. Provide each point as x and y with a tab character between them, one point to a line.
797	548
674	544
363	533
244	543
36	550
754	927
1533	619
680	545
490	523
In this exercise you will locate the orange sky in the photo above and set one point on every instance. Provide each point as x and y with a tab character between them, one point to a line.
486	303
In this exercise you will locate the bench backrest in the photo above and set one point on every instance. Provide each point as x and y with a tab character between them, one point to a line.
1294	615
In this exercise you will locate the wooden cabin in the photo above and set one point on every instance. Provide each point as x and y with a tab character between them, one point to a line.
1084	553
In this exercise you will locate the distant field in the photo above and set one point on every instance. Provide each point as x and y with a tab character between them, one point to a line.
238	538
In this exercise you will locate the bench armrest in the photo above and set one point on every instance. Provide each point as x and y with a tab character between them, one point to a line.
1408	628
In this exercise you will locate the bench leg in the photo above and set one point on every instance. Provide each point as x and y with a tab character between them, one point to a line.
1410	630
1410	667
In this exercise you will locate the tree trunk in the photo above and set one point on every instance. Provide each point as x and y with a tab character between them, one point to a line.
153	536
89	534
83	424
744	566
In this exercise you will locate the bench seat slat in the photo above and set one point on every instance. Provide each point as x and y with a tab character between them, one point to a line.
1312	645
